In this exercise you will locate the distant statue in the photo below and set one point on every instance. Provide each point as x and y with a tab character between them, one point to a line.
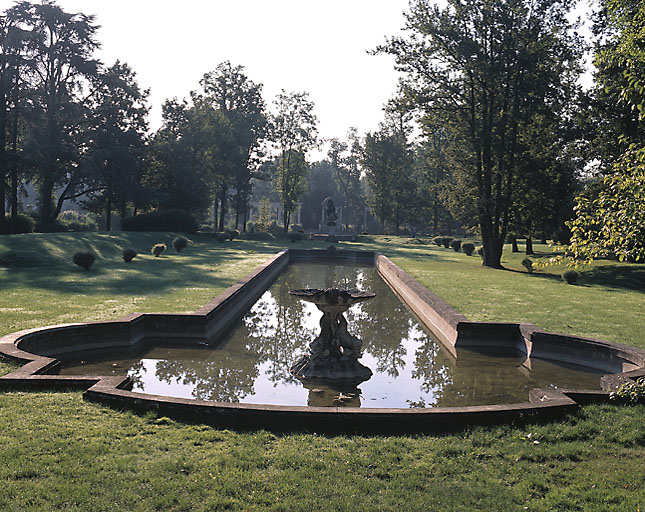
329	215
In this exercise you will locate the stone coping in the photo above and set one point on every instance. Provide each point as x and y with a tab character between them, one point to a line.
36	350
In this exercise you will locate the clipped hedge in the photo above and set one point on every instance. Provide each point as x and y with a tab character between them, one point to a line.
24	224
180	243
162	220
84	259
468	248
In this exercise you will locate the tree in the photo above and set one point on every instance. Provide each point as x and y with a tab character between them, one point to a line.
485	67
239	99
610	216
117	146
294	132
388	168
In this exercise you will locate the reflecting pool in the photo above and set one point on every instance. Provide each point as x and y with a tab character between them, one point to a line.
251	363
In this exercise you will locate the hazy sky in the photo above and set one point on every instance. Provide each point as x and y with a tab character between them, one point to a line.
296	45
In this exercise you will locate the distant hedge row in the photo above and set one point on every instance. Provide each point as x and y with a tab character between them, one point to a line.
162	220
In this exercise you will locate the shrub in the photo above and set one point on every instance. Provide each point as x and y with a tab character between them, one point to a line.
446	241
24	223
180	243
250	227
162	220
364	233
274	229
527	263
632	391
157	249
297	228
232	234
222	237
468	248
129	255
570	276
480	251
295	237
84	259
456	245
438	241
73	221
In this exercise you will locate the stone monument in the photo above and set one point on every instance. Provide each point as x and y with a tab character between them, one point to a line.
335	352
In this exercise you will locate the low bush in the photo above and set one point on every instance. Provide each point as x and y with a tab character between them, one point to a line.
570	276
250	227
468	248
446	241
364	233
162	220
630	392
295	237
456	245
180	243
233	234
296	228
527	263
157	249
438	241
129	255
73	221
84	259
480	251
24	224
222	236
275	230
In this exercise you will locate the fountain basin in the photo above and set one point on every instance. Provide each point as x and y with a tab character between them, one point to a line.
39	349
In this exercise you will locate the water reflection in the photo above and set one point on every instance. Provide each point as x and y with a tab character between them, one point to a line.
251	364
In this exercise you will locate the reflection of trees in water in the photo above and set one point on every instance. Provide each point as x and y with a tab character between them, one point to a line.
227	379
279	327
429	368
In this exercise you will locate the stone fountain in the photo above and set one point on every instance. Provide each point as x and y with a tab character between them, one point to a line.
335	352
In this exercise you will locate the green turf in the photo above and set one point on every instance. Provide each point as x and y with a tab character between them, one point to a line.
60	453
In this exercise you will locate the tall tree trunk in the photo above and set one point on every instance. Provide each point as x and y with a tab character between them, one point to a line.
529	245
3	160
514	246
246	213
222	217
108	209
215	212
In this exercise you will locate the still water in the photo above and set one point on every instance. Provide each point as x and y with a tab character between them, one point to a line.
251	364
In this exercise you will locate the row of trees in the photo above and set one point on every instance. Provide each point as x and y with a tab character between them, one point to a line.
76	128
489	131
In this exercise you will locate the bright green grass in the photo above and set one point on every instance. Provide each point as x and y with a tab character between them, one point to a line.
58	452
607	303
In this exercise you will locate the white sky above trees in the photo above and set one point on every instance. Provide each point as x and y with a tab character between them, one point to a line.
296	45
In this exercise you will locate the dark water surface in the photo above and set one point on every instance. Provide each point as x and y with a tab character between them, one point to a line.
251	364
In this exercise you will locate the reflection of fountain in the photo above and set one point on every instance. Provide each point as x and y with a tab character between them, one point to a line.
334	353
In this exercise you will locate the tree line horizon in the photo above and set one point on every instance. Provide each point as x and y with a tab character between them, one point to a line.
489	131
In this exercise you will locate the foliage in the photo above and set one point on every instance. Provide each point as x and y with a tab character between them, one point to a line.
456	245
129	255
294	131
570	276
25	224
233	234
295	236
632	391
222	237
157	249
73	221
264	220
438	241
296	228
162	220
84	259
468	248
527	263
179	243
484	71
446	241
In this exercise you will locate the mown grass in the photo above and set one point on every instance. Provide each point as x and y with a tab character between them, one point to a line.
60	453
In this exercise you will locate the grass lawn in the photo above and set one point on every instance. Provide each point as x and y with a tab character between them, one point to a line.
58	452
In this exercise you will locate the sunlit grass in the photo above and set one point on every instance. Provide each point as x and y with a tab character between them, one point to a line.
60	453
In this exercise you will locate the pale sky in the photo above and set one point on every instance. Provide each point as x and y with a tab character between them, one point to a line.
296	45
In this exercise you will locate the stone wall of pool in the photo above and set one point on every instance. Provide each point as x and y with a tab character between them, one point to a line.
37	349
